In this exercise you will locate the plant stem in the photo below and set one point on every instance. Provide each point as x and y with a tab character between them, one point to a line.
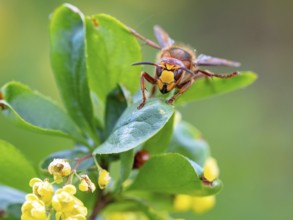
78	162
101	202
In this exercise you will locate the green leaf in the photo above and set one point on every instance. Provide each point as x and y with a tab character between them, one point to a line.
71	155
159	201
136	126
150	212
9	195
174	174
159	142
188	141
125	166
14	211
67	41
111	50
37	112
136	206
115	106
15	170
205	88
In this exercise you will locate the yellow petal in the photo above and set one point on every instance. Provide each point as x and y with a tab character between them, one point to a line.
203	204
182	203
211	169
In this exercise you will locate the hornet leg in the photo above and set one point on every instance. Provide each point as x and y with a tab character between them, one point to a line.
182	88
210	74
150	79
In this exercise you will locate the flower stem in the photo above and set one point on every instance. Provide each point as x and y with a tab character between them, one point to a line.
78	162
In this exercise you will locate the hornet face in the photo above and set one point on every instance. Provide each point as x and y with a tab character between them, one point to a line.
168	76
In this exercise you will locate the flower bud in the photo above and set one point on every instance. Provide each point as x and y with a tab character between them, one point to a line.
104	179
59	168
86	184
211	169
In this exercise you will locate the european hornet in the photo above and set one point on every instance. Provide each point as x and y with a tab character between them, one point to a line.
177	66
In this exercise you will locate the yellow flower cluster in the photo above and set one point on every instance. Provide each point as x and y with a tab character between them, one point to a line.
67	206
33	208
43	202
183	203
42	189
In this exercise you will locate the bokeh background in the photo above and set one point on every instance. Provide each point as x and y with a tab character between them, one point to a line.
250	131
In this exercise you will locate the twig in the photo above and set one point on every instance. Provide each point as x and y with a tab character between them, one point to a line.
78	162
101	202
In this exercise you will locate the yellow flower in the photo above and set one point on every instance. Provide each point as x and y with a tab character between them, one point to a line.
67	206
42	189
104	178
182	203
33	208
59	168
125	216
203	204
211	169
86	184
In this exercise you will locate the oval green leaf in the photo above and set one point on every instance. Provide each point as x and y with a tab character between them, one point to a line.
111	50
205	88
174	174
137	126
15	170
115	106
188	141
37	112
126	166
141	208
9	196
159	142
67	42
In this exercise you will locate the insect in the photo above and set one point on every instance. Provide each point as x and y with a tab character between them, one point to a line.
177	66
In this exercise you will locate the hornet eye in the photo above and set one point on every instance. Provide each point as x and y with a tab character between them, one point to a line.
177	74
159	71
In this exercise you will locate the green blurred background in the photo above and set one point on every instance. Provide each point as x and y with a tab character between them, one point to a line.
250	131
